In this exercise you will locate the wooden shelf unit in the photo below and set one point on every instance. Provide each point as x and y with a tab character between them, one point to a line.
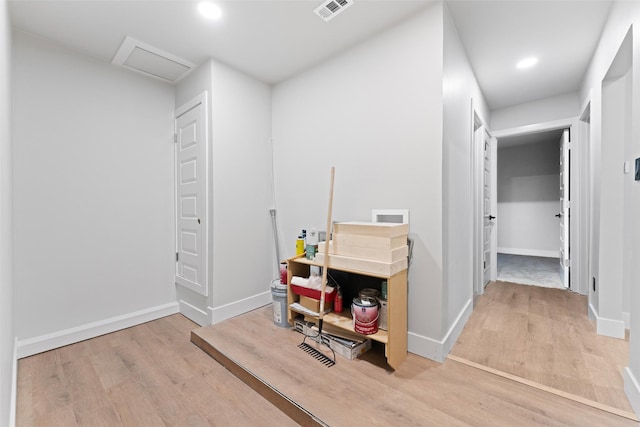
394	338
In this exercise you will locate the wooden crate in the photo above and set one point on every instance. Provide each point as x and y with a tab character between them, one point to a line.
376	229
364	265
372	242
374	254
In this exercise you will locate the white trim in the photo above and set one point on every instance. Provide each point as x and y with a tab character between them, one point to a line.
529	252
626	318
493	273
194	313
537	127
477	148
200	99
632	389
438	350
31	346
236	308
14	385
607	327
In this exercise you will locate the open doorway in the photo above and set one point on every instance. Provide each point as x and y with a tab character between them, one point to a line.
533	209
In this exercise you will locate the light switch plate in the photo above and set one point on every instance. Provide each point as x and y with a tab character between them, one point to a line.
627	167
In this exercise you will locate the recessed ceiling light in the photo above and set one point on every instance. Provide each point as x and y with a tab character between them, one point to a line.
209	10
527	62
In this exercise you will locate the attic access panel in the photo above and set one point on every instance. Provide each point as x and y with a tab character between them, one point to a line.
151	61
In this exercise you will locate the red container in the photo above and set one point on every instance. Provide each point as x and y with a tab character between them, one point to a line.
313	293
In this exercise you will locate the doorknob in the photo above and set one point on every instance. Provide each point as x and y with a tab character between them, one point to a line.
558	215
198	220
491	217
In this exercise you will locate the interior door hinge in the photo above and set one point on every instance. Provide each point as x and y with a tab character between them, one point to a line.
177	257
175	138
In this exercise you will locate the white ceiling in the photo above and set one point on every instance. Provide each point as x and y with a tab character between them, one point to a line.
275	39
497	34
268	39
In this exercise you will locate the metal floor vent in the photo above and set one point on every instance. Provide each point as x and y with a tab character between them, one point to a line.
331	8
151	61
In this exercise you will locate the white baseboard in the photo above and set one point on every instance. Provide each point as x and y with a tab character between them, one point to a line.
607	327
529	252
626	318
76	334
438	350
236	308
632	389
14	385
193	313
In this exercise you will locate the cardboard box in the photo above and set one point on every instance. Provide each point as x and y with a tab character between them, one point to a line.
345	348
314	304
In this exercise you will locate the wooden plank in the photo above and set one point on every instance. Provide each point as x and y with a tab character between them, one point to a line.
365	266
545	336
375	229
281	401
373	254
563	394
366	392
147	375
397	319
373	242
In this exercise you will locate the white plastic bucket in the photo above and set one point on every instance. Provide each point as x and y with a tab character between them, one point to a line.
279	303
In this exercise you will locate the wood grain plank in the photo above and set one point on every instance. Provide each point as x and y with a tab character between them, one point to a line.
366	391
544	335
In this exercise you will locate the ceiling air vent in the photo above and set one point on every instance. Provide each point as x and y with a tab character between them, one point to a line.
331	8
151	61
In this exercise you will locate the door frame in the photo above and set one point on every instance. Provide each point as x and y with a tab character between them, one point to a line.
477	156
193	304
579	235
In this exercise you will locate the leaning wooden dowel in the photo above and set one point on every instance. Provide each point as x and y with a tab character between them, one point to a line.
325	265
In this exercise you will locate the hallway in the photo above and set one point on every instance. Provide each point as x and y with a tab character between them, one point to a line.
545	336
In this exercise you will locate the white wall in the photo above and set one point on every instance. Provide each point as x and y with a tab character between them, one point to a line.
623	15
611	248
540	111
529	198
192	304
7	313
93	193
375	113
243	264
459	89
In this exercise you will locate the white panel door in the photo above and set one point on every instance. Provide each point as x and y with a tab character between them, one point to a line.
565	203
488	218
191	198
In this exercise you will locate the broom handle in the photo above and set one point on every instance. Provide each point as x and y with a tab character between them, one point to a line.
325	266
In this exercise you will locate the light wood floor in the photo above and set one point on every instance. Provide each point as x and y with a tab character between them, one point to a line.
151	375
148	375
544	335
365	392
